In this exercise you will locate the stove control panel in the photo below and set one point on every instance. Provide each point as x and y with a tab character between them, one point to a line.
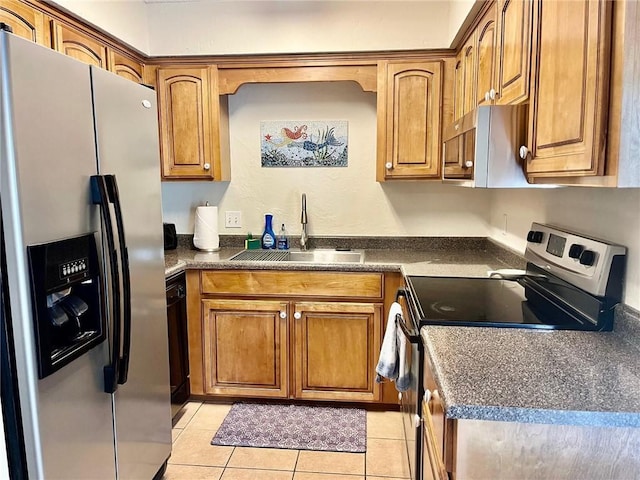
581	260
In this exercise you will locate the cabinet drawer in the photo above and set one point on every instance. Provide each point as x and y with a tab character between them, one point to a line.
290	284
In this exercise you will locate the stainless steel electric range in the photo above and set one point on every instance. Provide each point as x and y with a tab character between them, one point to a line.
571	282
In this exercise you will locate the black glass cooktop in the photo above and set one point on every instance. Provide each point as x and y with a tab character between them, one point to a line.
490	302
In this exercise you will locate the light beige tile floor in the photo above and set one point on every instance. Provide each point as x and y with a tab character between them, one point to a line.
194	458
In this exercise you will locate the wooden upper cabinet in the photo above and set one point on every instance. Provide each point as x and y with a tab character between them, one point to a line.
335	346
458	88
469	87
514	51
25	21
486	57
190	120
409	120
125	67
464	91
78	45
569	103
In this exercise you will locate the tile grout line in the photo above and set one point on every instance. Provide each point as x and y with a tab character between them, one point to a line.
295	465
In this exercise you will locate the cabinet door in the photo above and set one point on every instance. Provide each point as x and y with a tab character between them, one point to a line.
469	74
244	346
433	408
486	55
411	119
335	348
78	45
25	21
432	466
568	112
125	67
514	51
184	103
458	87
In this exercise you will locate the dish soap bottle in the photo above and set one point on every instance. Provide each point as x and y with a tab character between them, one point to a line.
268	237
283	241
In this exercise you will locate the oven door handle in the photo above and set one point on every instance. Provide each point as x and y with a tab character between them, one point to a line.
413	338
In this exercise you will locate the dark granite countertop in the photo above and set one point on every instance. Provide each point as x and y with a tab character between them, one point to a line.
521	375
444	259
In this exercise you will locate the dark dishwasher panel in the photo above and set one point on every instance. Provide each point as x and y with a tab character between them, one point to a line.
178	346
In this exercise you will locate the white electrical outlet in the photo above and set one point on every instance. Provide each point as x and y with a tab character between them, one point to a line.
233	219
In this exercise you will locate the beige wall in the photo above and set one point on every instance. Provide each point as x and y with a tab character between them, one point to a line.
238	26
125	19
458	11
610	214
341	201
227	27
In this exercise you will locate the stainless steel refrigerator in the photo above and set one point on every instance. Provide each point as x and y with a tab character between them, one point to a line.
85	357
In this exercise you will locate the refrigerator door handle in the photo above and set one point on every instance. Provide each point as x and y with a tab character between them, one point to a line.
114	197
99	196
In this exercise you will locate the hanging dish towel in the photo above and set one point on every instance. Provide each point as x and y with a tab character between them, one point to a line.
391	363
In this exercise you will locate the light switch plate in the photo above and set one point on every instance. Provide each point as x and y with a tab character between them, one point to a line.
233	219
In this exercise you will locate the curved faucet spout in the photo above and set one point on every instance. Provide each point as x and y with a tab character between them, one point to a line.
304	238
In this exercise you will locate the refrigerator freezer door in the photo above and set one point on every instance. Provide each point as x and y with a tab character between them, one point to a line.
47	157
127	136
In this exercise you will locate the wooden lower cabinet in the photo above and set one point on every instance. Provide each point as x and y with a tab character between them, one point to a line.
315	344
245	350
432	462
335	346
437	431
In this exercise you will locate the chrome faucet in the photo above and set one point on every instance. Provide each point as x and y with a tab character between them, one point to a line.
304	238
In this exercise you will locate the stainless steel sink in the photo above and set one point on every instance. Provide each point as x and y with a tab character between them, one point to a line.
324	256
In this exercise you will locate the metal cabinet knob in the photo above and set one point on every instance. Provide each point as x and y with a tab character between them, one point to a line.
207	166
283	314
468	164
388	166
524	152
297	315
493	94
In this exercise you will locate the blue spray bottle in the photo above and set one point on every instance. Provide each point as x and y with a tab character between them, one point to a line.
268	237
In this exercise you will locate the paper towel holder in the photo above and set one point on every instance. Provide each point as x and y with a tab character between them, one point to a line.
205	235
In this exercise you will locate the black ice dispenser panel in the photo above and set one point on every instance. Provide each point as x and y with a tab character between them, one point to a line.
67	300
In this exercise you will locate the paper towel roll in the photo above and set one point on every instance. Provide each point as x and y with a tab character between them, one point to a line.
205	234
